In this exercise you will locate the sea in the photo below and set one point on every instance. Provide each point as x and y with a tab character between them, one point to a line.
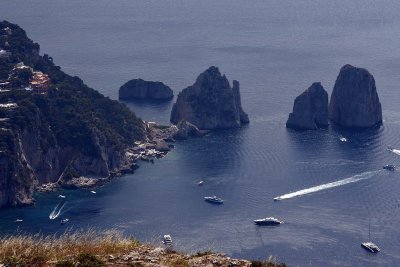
333	192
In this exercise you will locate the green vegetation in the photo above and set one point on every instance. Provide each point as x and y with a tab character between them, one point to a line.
71	114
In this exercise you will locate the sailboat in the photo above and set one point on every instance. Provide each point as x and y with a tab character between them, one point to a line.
370	246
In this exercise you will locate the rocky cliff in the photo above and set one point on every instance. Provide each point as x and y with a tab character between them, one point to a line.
310	109
354	100
145	90
66	132
210	103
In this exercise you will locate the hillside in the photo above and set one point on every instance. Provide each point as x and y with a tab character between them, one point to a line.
52	126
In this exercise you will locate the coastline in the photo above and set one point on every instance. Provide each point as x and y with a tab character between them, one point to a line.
157	145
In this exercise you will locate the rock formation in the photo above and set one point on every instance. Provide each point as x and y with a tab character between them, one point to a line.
354	100
310	109
210	103
186	129
145	90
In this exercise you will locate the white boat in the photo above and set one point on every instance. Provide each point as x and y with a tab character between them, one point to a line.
93	192
61	196
18	220
343	139
214	200
200	183
64	221
167	240
268	221
371	247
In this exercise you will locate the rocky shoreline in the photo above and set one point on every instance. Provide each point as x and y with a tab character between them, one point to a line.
159	142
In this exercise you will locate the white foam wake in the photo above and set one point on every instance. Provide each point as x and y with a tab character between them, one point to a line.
57	210
352	179
395	151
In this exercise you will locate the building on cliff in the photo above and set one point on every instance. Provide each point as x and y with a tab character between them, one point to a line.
39	82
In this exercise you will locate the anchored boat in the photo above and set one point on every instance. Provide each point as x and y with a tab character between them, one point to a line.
268	221
214	200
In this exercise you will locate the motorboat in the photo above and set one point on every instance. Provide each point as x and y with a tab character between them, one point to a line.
343	139
167	240
370	247
214	200
64	221
268	221
389	167
61	196
200	183
93	192
18	221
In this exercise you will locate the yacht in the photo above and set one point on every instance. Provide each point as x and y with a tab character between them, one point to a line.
64	221
371	247
214	200
389	167
167	240
268	221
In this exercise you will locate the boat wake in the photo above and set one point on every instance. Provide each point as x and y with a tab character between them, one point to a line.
57	210
352	179
395	151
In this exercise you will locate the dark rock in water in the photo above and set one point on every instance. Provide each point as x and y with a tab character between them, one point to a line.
210	103
145	90
354	100
186	129
244	117
310	109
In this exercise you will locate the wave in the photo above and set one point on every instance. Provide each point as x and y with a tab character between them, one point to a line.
57	210
352	179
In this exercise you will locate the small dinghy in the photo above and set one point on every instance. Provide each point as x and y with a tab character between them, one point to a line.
214	200
389	167
167	240
268	221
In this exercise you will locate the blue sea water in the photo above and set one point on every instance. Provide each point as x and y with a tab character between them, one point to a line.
276	49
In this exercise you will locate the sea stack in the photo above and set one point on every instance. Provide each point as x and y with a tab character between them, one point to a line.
354	101
210	103
310	109
145	90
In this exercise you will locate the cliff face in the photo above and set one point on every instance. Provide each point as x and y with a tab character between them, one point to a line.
69	131
354	100
310	109
17	179
210	103
145	90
